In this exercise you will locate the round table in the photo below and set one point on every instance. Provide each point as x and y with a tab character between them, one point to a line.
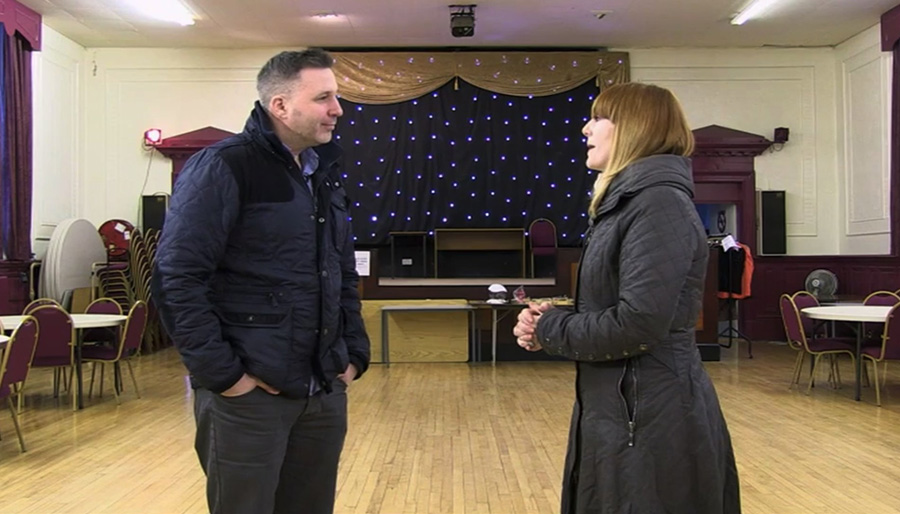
79	321
855	314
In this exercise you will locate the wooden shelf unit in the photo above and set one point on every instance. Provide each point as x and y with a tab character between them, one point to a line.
448	240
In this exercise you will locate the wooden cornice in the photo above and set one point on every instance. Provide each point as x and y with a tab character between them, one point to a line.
18	18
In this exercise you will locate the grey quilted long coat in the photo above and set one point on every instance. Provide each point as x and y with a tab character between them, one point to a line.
647	434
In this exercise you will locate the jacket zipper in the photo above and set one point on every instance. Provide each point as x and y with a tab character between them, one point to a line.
630	414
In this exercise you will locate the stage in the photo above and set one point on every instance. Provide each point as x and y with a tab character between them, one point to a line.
465	282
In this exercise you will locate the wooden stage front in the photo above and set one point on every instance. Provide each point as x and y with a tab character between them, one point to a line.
468	282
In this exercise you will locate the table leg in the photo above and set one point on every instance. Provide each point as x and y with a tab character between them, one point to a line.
493	336
859	335
477	338
385	358
78	340
473	340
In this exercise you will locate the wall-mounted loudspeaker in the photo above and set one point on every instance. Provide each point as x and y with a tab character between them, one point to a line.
781	135
153	211
772	224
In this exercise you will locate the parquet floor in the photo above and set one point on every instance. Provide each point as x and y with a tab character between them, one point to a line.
454	438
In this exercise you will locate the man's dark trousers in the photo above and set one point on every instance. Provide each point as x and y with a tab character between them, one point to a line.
265	453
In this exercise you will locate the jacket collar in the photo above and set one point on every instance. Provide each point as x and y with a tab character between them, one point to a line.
259	127
670	170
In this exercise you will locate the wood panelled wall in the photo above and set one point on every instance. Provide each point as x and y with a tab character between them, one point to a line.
857	276
14	286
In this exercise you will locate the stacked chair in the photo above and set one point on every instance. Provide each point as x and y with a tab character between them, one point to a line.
142	259
128	282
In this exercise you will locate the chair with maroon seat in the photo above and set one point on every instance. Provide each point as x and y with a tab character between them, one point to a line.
801	299
39	302
888	350
104	335
14	366
542	235
815	347
872	331
804	299
104	306
812	328
816	329
55	346
886	298
128	346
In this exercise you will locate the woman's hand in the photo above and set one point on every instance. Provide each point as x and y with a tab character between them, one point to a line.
527	324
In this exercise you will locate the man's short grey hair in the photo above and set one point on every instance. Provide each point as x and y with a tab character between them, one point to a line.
278	75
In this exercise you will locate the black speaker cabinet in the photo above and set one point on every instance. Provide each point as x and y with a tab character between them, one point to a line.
772	227
409	254
153	211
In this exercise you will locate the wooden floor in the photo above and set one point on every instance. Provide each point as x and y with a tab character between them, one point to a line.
454	438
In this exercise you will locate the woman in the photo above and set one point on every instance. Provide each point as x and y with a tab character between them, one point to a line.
647	434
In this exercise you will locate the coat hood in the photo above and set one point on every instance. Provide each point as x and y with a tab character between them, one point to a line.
655	170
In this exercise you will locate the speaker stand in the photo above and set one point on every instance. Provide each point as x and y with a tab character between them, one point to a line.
732	332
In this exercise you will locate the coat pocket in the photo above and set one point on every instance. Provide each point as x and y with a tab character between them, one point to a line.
260	330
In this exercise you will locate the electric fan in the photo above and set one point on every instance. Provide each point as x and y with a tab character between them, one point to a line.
822	284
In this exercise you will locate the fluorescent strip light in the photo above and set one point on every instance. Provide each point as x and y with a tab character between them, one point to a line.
753	10
165	10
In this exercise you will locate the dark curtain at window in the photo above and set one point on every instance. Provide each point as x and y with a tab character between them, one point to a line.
467	158
15	146
895	151
4	144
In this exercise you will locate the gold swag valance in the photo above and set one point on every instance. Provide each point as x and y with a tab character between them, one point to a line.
391	77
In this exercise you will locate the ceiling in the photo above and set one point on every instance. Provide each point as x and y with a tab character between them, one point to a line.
499	23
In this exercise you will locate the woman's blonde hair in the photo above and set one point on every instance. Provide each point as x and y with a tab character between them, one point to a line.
648	121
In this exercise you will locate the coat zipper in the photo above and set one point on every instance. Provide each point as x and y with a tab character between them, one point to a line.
630	414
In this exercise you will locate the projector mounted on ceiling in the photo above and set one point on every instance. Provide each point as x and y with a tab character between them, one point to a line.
462	20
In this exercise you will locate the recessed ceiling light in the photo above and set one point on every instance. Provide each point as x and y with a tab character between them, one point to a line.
330	15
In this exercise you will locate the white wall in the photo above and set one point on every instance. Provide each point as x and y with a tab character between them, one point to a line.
174	90
58	106
127	91
863	152
756	91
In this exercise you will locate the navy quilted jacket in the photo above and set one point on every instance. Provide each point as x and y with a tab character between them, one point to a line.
256	273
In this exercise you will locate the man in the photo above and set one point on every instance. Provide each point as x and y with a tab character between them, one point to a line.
256	282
